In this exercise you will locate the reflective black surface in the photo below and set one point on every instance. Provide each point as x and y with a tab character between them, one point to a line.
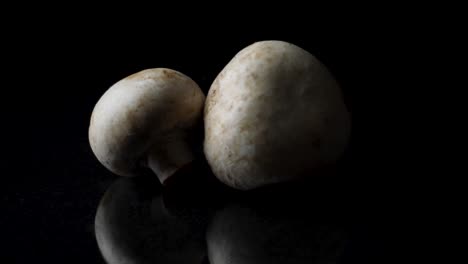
132	225
52	184
308	221
265	232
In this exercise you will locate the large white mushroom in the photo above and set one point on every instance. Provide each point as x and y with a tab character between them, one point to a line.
143	119
273	114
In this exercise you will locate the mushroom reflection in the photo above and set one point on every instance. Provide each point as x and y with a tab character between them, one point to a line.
133	226
270	228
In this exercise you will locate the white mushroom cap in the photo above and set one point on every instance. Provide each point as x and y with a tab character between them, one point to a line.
274	113
142	119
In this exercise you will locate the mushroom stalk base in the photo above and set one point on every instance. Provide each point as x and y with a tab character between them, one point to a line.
165	158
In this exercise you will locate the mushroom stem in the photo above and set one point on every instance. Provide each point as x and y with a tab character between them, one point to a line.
166	157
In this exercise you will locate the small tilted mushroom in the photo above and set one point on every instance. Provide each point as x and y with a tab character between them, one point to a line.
143	120
273	114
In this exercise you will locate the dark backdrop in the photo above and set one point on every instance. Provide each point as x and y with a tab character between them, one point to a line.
52	183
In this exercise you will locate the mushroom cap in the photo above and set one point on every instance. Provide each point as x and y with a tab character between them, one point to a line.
274	113
139	111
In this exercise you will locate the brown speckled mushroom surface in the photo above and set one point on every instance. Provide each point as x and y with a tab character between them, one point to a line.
142	121
273	113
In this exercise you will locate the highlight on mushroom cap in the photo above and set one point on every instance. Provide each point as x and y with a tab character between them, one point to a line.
273	114
146	114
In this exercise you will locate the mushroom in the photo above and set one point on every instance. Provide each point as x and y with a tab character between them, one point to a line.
132	226
143	120
273	114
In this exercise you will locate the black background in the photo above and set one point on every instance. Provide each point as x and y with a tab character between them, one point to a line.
52	183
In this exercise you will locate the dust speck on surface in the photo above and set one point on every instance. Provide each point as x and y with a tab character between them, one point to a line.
212	98
170	74
134	76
